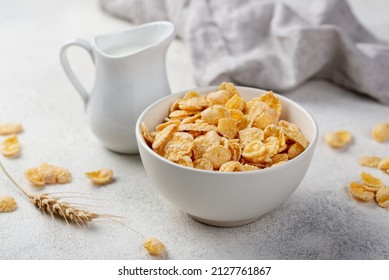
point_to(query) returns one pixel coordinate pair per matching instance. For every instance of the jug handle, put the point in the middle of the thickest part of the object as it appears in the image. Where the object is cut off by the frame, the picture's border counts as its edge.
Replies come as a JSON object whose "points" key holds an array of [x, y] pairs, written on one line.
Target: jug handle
{"points": [[68, 70]]}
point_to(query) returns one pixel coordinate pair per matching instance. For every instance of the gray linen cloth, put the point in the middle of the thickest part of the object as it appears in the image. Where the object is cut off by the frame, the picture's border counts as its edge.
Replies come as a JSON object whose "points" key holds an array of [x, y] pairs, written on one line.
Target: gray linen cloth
{"points": [[267, 44]]}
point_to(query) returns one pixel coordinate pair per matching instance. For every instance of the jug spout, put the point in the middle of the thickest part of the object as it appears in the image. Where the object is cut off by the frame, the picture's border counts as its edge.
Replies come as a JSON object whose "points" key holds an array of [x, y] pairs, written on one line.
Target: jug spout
{"points": [[138, 39]]}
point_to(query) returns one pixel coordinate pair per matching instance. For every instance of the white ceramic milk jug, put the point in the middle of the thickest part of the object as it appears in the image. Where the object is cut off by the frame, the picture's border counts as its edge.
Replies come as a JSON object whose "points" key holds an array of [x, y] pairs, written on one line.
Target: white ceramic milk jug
{"points": [[130, 75]]}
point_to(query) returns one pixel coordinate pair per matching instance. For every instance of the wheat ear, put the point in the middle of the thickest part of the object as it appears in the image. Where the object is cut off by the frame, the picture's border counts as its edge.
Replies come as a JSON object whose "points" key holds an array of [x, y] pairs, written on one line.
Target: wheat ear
{"points": [[54, 207]]}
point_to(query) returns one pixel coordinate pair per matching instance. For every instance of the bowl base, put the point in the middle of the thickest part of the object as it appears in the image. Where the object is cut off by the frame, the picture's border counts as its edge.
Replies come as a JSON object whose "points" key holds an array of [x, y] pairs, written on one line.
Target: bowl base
{"points": [[225, 223]]}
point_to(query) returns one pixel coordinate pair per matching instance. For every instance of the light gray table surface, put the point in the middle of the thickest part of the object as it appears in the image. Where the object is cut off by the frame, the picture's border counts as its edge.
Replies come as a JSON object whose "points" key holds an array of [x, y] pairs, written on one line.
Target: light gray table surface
{"points": [[319, 221]]}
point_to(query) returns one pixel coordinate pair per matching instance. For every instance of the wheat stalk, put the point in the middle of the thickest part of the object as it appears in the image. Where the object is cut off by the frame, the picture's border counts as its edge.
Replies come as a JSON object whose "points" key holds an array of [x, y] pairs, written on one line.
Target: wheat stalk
{"points": [[56, 208]]}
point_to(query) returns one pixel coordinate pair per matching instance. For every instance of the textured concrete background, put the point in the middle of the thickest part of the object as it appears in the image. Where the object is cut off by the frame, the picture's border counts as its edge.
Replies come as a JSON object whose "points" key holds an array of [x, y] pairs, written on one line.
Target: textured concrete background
{"points": [[319, 221]]}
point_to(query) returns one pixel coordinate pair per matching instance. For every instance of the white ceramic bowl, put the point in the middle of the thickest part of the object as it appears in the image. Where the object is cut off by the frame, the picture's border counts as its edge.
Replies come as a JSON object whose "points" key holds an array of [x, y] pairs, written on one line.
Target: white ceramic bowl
{"points": [[226, 198]]}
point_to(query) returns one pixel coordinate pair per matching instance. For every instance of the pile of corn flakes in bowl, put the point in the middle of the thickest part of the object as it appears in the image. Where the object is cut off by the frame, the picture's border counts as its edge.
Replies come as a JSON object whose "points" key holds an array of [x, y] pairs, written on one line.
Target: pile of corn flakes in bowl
{"points": [[226, 155]]}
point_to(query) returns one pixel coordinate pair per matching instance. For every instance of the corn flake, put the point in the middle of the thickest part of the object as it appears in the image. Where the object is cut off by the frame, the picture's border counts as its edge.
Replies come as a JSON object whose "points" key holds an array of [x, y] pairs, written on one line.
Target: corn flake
{"points": [[231, 166], [7, 204], [48, 174], [154, 246], [271, 100], [370, 182], [11, 146], [203, 163], [179, 145], [384, 164], [10, 128], [382, 197], [380, 132], [370, 161], [217, 155], [101, 176], [338, 139], [359, 192]]}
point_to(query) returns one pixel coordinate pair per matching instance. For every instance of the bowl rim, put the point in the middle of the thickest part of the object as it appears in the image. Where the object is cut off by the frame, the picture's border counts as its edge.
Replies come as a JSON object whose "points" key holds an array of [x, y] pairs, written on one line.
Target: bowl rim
{"points": [[204, 90]]}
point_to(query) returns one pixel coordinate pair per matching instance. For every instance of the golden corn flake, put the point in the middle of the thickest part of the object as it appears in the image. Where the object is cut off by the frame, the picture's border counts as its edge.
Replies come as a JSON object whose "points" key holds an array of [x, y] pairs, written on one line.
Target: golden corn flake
{"points": [[161, 126], [213, 114], [384, 165], [267, 117], [228, 127], [101, 176], [271, 100], [294, 150], [221, 131], [218, 97], [359, 192], [146, 134], [7, 204], [163, 136], [154, 246], [10, 128], [338, 139], [11, 146], [186, 161], [193, 104], [370, 161], [203, 163], [48, 174], [370, 182], [382, 197], [217, 155], [249, 135], [197, 126], [229, 87], [235, 102], [179, 145], [231, 166], [381, 132]]}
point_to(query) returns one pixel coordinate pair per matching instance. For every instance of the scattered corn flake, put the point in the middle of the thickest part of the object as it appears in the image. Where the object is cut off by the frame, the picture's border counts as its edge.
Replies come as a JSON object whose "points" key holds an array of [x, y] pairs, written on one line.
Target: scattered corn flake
{"points": [[11, 146], [370, 161], [370, 182], [48, 174], [384, 164], [10, 128], [7, 204], [382, 197], [380, 132], [101, 176], [338, 139], [154, 246], [359, 192]]}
